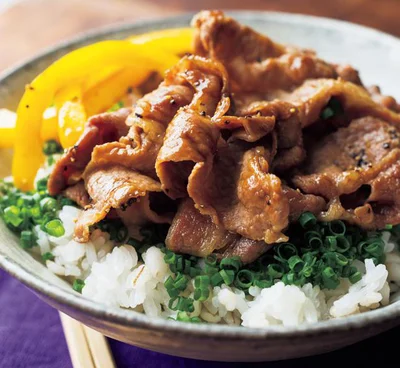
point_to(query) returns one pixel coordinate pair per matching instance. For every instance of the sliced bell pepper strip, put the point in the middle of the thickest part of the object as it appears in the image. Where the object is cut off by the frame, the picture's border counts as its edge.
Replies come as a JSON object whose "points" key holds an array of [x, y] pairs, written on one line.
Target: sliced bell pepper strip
{"points": [[107, 92], [97, 97], [49, 129], [7, 128], [71, 122], [176, 41], [69, 70]]}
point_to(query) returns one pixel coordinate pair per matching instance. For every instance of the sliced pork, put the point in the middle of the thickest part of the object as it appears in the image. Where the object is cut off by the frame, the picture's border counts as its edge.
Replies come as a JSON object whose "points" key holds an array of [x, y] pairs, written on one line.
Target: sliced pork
{"points": [[235, 143], [356, 169]]}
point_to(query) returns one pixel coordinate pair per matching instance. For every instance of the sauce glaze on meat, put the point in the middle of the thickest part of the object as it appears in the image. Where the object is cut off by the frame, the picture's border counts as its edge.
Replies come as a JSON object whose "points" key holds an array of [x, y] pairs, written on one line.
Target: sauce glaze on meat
{"points": [[236, 136]]}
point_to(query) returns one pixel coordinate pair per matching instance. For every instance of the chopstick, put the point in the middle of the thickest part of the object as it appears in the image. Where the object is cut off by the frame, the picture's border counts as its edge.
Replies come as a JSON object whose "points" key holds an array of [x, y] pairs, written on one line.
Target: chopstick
{"points": [[87, 348]]}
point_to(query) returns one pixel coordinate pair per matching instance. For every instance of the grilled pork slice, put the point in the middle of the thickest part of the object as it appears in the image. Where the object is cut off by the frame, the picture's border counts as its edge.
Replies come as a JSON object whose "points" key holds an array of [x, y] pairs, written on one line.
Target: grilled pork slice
{"points": [[357, 170], [99, 129], [196, 234]]}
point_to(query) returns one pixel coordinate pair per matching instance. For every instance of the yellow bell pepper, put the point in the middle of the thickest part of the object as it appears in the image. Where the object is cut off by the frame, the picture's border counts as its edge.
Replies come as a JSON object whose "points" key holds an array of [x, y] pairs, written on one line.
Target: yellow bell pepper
{"points": [[69, 70], [7, 128], [102, 96], [49, 129], [176, 41], [105, 86], [71, 122]]}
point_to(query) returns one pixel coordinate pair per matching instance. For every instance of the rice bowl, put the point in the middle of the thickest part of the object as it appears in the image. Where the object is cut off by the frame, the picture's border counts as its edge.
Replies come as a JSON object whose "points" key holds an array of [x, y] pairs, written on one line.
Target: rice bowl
{"points": [[228, 305]]}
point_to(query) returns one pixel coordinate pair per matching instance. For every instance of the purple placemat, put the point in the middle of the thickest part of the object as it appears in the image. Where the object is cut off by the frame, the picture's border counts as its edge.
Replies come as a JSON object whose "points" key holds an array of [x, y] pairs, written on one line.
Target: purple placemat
{"points": [[31, 336]]}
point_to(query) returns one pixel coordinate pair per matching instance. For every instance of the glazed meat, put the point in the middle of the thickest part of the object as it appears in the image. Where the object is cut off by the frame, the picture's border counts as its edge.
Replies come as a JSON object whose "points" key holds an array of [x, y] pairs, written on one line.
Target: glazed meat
{"points": [[98, 130], [356, 169], [194, 233], [235, 143], [78, 194], [254, 62], [114, 187]]}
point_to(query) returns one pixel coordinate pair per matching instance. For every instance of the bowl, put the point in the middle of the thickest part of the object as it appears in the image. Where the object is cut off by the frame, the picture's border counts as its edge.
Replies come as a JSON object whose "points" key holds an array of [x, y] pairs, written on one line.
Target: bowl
{"points": [[375, 54]]}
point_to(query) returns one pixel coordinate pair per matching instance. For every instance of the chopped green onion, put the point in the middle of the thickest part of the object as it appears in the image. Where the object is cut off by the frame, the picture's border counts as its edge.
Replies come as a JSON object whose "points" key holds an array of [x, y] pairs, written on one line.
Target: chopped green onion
{"points": [[48, 204], [195, 320], [244, 279], [180, 303], [337, 227], [262, 284], [35, 212], [327, 113], [52, 147], [41, 184], [330, 279], [78, 285], [289, 278], [307, 220], [333, 108], [184, 317], [342, 244], [330, 243], [28, 239], [284, 251], [211, 260], [170, 258], [296, 264], [195, 271], [210, 270], [355, 277], [12, 216], [180, 282], [341, 259], [48, 256], [201, 294], [54, 228], [202, 281], [216, 279], [232, 263], [118, 105], [228, 276], [275, 270]]}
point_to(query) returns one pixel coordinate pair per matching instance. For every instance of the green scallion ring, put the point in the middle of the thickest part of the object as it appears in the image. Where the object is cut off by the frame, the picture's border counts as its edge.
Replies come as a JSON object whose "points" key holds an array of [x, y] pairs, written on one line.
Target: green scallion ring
{"points": [[307, 220], [337, 227], [232, 263], [228, 276], [54, 228], [244, 279]]}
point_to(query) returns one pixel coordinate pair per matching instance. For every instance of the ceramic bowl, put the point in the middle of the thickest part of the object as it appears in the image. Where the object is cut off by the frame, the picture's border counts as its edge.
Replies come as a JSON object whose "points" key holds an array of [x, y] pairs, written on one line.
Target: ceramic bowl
{"points": [[375, 54]]}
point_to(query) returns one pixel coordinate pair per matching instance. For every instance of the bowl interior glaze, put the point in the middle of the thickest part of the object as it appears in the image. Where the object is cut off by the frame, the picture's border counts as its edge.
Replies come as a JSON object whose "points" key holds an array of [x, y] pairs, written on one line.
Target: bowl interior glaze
{"points": [[375, 54]]}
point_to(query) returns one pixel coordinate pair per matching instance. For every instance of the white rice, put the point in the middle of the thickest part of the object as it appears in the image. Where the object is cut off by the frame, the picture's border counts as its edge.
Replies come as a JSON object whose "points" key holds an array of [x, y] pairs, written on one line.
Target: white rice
{"points": [[114, 276]]}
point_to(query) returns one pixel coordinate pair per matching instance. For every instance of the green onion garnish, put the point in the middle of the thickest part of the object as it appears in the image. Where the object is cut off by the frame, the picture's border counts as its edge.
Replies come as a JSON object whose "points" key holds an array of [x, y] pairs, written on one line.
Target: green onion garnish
{"points": [[12, 216], [78, 285], [48, 256], [52, 147], [333, 108], [244, 279], [28, 239], [307, 220], [54, 228]]}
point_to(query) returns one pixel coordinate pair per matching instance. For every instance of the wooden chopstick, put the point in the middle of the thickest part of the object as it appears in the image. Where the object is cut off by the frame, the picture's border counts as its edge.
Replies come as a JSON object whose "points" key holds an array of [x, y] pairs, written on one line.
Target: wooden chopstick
{"points": [[87, 348], [100, 349]]}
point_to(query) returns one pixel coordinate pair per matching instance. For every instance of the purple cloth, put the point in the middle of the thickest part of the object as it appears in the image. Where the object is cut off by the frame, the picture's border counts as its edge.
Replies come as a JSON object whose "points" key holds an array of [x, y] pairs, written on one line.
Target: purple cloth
{"points": [[31, 336]]}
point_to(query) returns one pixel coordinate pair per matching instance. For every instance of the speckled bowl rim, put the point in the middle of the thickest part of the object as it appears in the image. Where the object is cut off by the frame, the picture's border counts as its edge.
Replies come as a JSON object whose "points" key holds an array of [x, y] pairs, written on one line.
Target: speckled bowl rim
{"points": [[131, 318]]}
